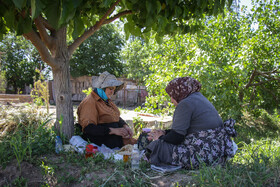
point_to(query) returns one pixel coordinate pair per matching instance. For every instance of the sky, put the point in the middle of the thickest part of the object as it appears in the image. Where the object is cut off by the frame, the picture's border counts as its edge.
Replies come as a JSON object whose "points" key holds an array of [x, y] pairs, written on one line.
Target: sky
{"points": [[246, 3]]}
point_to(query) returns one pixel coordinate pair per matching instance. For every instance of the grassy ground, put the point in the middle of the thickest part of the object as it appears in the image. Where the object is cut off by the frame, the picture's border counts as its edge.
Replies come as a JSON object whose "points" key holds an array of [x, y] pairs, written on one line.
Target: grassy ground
{"points": [[28, 157]]}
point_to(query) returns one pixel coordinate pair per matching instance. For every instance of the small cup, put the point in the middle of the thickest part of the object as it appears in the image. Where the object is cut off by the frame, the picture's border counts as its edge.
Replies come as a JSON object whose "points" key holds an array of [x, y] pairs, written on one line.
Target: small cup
{"points": [[91, 150], [126, 158]]}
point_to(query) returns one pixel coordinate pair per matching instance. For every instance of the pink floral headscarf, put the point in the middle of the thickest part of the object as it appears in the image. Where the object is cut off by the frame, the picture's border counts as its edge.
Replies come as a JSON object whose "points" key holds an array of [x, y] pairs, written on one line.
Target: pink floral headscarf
{"points": [[180, 88]]}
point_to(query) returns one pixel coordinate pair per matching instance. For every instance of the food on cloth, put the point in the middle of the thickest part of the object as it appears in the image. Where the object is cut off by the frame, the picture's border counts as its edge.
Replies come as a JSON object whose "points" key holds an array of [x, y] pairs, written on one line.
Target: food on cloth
{"points": [[125, 150]]}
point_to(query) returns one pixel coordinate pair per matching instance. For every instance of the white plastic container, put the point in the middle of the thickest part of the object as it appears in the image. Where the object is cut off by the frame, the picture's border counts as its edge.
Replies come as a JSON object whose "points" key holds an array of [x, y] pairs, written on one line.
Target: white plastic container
{"points": [[135, 158], [79, 143]]}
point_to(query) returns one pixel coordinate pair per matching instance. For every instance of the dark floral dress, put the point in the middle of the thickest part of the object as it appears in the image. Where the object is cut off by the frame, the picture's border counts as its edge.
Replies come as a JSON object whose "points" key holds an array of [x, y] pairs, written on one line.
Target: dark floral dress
{"points": [[211, 147]]}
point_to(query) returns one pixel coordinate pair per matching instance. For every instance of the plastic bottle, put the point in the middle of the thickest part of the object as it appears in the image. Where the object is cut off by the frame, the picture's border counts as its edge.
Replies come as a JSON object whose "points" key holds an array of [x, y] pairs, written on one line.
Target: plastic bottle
{"points": [[58, 145], [135, 158]]}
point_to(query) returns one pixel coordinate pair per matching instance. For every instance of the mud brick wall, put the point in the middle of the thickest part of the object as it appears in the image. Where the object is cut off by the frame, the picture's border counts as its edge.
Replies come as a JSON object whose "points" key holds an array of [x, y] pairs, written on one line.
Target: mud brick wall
{"points": [[15, 98]]}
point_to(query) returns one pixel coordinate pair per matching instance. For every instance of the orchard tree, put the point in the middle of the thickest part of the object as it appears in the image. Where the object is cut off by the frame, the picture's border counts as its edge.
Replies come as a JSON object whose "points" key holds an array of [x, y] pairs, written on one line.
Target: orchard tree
{"points": [[236, 62], [20, 64], [47, 23], [99, 53], [133, 54]]}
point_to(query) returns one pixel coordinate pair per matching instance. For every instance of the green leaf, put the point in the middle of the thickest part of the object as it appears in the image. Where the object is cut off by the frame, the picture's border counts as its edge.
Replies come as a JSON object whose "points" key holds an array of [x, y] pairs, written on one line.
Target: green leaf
{"points": [[78, 27], [136, 31], [159, 39], [158, 7], [10, 19], [178, 11], [3, 29], [216, 7], [149, 6], [229, 3], [53, 13], [68, 11], [127, 30], [149, 20], [24, 26], [162, 21], [19, 3], [36, 8], [33, 8], [106, 3]]}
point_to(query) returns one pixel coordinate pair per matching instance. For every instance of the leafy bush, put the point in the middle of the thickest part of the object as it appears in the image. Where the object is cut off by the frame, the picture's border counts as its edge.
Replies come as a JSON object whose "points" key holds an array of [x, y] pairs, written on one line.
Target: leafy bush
{"points": [[138, 125], [257, 127], [237, 66]]}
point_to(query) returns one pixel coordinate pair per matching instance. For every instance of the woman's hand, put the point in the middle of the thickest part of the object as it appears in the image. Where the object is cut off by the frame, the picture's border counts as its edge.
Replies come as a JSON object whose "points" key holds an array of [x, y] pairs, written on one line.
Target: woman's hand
{"points": [[130, 132], [155, 134], [123, 132]]}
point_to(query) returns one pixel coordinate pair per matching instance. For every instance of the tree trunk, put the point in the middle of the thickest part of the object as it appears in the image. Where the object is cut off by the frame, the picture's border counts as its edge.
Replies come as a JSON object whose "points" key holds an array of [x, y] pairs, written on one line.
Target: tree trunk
{"points": [[62, 86], [63, 95]]}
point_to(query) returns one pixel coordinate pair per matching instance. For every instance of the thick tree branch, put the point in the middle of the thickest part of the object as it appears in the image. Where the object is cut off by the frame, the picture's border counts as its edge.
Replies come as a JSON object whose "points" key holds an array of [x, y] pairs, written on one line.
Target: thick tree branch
{"points": [[268, 75], [46, 24], [251, 79], [43, 33], [268, 72], [40, 46], [111, 9], [252, 96], [263, 82], [120, 14], [97, 26]]}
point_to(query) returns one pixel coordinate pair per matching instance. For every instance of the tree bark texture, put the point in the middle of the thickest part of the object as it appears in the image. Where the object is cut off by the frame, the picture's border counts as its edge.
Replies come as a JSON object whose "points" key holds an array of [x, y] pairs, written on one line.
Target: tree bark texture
{"points": [[62, 85], [63, 94]]}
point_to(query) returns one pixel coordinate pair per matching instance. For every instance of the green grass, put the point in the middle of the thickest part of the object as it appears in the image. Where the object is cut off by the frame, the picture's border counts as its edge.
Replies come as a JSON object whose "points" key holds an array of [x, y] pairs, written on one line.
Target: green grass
{"points": [[257, 161], [31, 139], [255, 164]]}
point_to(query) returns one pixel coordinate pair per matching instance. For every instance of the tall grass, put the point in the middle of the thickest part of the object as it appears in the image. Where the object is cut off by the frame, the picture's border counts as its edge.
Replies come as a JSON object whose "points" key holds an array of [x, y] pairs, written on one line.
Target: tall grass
{"points": [[24, 134]]}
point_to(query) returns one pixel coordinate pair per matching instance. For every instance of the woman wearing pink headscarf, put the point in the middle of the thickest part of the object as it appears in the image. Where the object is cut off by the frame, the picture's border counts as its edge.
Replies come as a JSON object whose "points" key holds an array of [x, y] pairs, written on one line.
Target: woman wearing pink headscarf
{"points": [[198, 134]]}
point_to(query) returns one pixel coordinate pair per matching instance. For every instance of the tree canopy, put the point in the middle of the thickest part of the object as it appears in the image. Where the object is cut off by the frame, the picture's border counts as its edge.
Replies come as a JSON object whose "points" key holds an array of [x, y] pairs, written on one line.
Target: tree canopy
{"points": [[47, 23], [162, 16]]}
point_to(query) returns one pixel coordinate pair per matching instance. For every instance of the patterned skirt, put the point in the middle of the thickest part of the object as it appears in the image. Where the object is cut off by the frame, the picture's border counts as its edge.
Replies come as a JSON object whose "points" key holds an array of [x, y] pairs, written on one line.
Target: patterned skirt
{"points": [[208, 147]]}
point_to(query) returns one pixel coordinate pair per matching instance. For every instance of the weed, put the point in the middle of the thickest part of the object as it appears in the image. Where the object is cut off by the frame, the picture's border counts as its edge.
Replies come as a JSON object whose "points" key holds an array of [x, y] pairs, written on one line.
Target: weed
{"points": [[138, 125], [20, 181], [87, 91], [68, 179], [19, 149], [47, 169], [6, 152], [40, 94]]}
